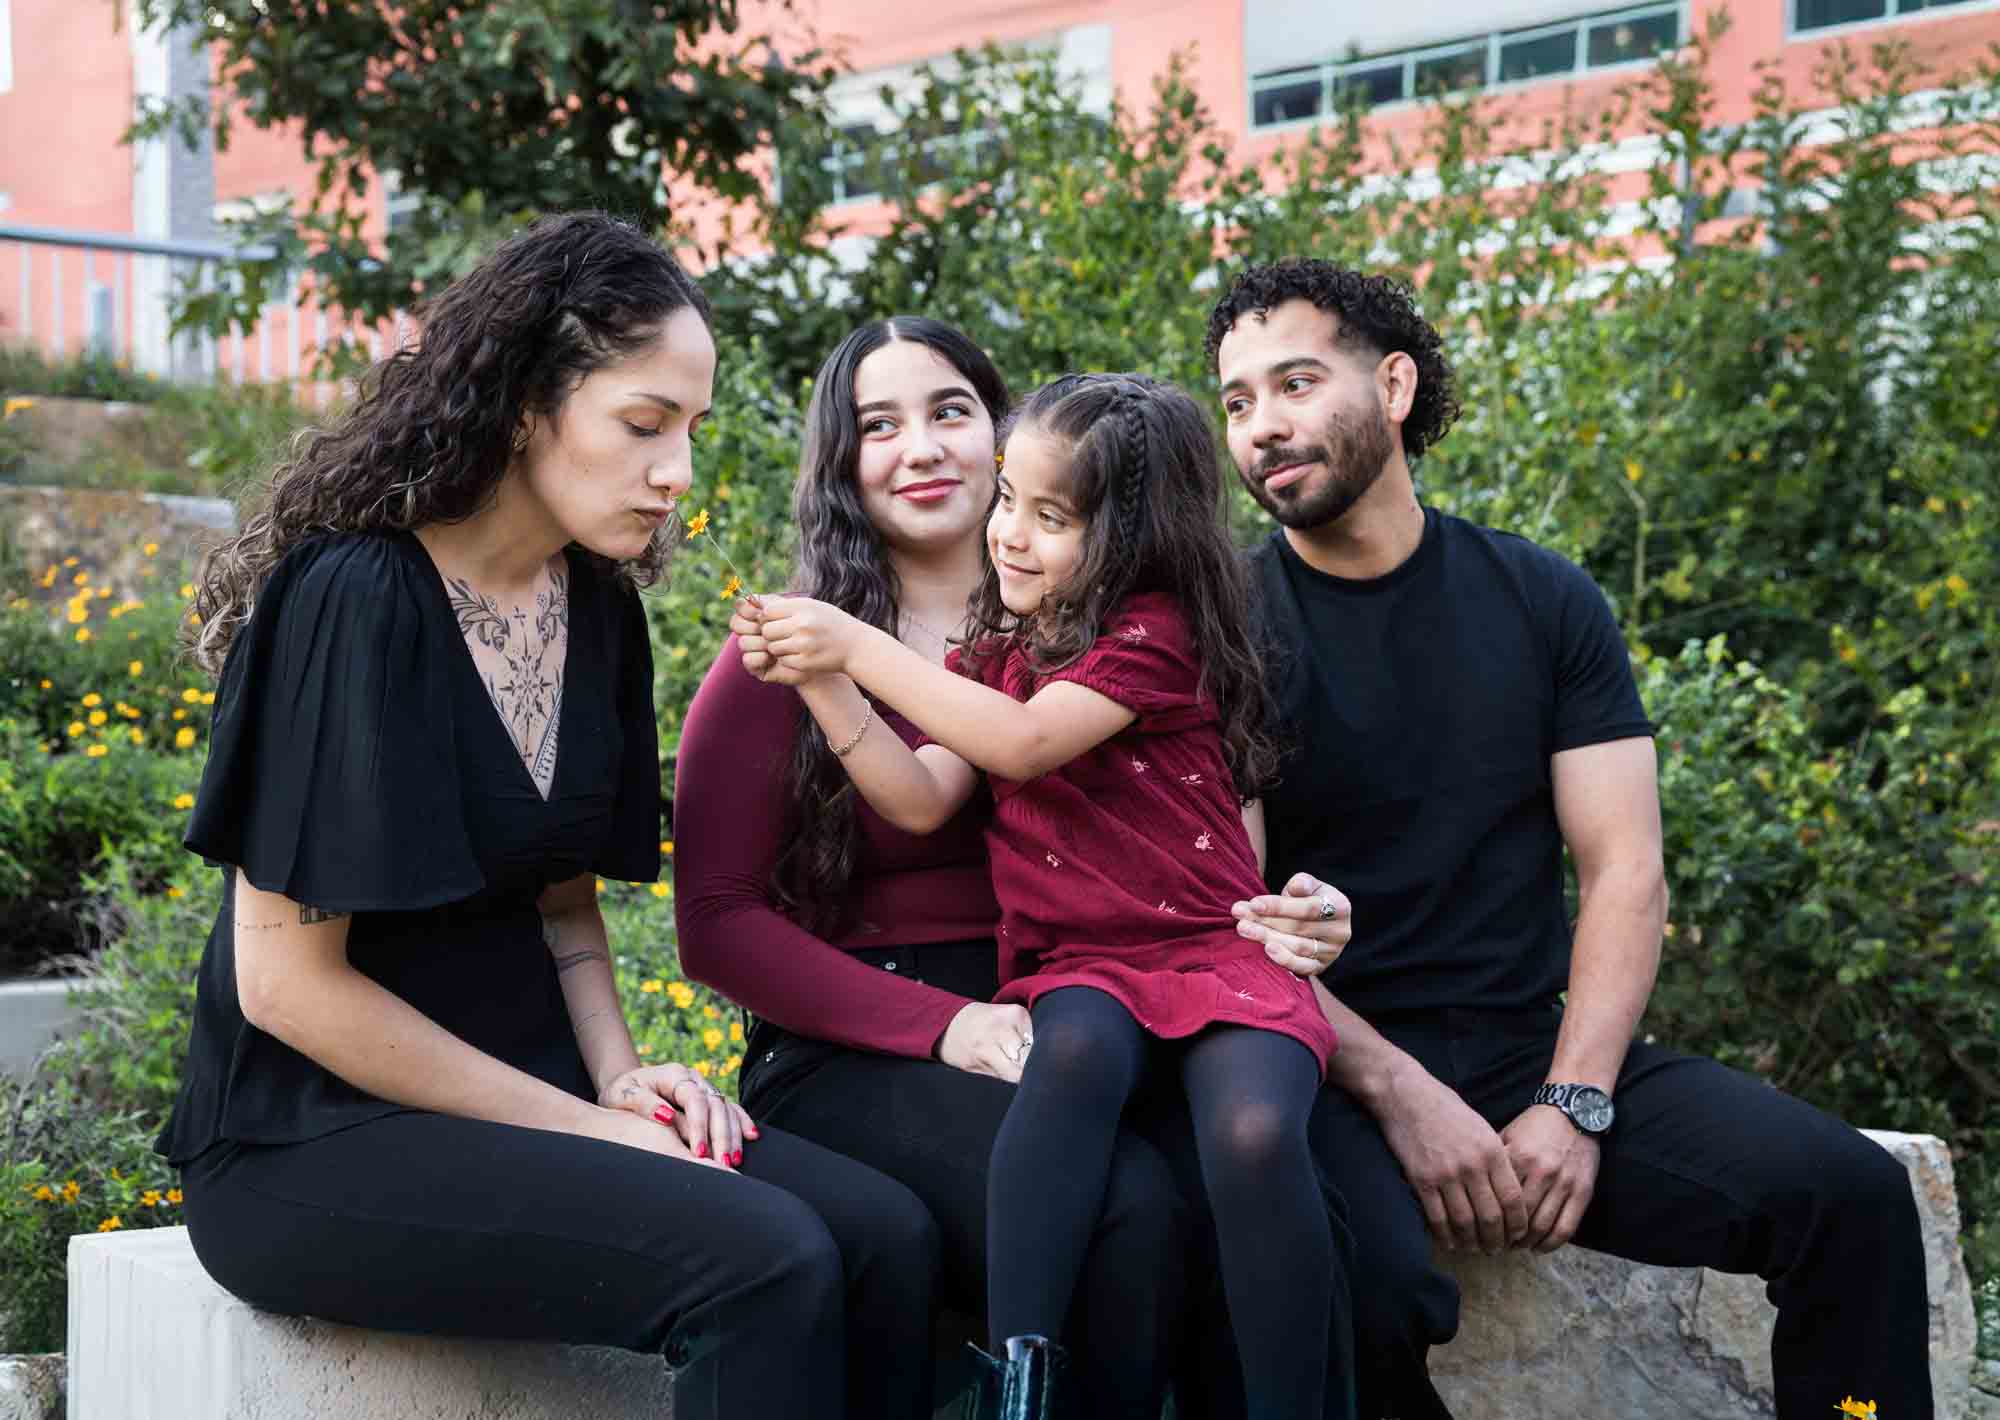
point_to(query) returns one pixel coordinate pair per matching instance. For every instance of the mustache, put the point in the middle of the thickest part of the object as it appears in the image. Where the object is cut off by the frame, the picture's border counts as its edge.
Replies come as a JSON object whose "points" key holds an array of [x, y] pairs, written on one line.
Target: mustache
{"points": [[1275, 459]]}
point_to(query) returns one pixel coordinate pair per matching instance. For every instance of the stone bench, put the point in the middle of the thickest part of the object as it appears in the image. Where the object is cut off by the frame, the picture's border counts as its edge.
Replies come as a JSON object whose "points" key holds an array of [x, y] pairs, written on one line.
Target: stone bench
{"points": [[1571, 1334]]}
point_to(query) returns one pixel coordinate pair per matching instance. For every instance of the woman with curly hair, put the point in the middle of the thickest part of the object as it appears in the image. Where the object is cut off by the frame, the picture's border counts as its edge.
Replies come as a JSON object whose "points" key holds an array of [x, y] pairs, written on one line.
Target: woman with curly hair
{"points": [[411, 1100]]}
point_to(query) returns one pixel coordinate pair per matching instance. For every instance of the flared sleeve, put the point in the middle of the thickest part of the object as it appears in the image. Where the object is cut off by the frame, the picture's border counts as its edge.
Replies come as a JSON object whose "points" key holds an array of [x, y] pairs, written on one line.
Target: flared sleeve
{"points": [[331, 774]]}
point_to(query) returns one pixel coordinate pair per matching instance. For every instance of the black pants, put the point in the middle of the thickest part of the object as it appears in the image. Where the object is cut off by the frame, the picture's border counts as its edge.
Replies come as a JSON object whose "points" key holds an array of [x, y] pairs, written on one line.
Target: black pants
{"points": [[801, 1288], [932, 1128], [1705, 1167]]}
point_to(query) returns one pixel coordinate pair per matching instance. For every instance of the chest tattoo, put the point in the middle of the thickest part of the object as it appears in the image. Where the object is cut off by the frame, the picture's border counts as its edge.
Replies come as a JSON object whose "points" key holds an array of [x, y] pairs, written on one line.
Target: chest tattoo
{"points": [[520, 653]]}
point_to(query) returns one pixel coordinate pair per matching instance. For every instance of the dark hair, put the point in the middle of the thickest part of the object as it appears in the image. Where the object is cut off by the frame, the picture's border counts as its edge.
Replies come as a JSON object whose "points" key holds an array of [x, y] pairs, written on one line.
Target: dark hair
{"points": [[1375, 313], [843, 562], [1144, 476], [437, 424]]}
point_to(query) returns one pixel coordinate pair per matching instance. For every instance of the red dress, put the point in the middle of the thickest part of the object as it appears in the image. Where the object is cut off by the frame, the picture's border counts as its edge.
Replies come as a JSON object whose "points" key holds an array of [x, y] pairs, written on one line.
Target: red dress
{"points": [[1118, 869]]}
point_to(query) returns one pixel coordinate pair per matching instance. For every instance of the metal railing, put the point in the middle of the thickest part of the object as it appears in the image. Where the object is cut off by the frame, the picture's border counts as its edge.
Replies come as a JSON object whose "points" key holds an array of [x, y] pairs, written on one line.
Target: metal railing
{"points": [[113, 295]]}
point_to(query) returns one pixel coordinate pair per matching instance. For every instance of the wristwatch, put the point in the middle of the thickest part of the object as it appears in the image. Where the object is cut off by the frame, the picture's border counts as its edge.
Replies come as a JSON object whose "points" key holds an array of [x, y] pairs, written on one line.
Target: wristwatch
{"points": [[1588, 1107]]}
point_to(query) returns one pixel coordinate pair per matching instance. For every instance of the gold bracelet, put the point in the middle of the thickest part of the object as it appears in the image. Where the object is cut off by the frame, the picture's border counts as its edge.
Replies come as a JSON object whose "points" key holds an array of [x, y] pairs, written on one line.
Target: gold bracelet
{"points": [[867, 719]]}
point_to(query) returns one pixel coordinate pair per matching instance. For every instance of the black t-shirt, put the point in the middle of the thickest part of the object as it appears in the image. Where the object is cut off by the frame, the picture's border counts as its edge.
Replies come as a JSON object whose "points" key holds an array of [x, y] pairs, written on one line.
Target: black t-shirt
{"points": [[1424, 706], [357, 764]]}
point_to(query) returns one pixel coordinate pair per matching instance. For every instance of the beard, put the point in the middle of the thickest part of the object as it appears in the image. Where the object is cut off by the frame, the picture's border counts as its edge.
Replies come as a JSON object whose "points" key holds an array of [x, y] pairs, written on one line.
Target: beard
{"points": [[1353, 449]]}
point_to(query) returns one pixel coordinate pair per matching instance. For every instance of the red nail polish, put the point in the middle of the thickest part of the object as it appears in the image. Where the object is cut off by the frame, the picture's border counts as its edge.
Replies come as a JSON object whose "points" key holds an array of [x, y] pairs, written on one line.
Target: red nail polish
{"points": [[664, 1115], [736, 1158], [701, 1149]]}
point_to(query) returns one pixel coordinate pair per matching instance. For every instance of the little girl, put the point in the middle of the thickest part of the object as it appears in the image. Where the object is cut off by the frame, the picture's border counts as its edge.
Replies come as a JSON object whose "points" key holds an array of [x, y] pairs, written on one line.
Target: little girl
{"points": [[1108, 690]]}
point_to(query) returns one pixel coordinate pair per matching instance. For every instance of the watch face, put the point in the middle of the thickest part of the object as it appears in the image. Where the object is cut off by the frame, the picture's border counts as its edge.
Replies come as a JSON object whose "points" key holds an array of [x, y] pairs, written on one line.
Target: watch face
{"points": [[1591, 1109]]}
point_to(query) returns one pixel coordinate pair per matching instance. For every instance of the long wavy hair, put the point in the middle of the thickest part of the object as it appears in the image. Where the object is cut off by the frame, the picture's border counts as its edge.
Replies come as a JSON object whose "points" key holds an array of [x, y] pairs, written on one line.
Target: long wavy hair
{"points": [[1144, 475], [843, 561], [438, 424]]}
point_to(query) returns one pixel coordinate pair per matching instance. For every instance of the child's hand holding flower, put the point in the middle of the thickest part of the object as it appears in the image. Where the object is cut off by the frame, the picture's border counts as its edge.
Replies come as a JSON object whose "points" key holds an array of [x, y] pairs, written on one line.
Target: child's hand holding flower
{"points": [[806, 638]]}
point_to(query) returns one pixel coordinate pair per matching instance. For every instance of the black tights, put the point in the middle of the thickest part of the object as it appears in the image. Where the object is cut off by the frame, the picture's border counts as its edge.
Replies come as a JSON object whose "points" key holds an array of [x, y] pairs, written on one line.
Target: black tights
{"points": [[1249, 1094]]}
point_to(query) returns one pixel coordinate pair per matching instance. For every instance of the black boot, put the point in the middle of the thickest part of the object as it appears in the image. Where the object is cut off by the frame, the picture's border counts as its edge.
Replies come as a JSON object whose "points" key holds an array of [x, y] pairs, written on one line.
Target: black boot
{"points": [[1031, 1384]]}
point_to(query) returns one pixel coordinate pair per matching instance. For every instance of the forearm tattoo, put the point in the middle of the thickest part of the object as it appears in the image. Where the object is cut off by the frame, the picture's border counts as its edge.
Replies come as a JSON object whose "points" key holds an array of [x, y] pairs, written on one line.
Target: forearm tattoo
{"points": [[520, 659]]}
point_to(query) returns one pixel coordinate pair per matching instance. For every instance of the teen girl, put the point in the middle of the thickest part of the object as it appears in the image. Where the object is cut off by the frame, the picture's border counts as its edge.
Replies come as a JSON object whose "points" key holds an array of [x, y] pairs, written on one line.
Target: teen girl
{"points": [[1108, 690]]}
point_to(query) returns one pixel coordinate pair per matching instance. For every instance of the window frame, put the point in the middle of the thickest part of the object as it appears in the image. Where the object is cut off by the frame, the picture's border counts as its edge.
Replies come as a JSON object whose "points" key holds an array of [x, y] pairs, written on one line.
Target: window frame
{"points": [[1893, 14]]}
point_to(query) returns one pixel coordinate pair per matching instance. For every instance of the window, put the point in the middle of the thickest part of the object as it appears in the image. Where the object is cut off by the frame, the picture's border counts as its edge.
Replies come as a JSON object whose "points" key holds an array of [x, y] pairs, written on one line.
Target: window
{"points": [[1631, 35], [399, 204], [1824, 14]]}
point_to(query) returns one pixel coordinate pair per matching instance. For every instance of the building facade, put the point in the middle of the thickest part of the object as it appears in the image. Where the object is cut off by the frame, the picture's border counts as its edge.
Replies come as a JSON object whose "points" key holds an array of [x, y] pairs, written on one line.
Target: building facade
{"points": [[72, 74]]}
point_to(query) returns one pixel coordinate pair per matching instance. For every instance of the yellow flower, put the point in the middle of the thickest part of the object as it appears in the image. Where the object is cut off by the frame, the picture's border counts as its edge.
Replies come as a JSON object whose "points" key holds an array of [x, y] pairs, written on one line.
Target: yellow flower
{"points": [[703, 1069], [208, 697], [711, 1038], [69, 562], [176, 893], [174, 1196], [659, 889], [183, 801], [736, 1032], [1633, 472], [138, 735], [111, 1224], [645, 1049], [180, 714], [731, 587], [729, 1066], [1851, 1406], [711, 1013], [97, 751], [98, 717], [137, 668], [1957, 585], [600, 885], [104, 594], [75, 728], [184, 737], [78, 613], [722, 491], [150, 1198], [81, 579], [47, 684], [1848, 653], [92, 700], [69, 1191], [187, 590], [649, 988], [697, 525], [130, 712], [1934, 503], [83, 633], [682, 993], [45, 1194], [191, 695], [666, 844], [15, 406], [150, 548]]}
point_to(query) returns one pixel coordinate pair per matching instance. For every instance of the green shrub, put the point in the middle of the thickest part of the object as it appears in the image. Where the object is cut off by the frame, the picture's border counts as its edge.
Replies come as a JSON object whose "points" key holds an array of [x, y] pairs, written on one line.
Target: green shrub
{"points": [[27, 370]]}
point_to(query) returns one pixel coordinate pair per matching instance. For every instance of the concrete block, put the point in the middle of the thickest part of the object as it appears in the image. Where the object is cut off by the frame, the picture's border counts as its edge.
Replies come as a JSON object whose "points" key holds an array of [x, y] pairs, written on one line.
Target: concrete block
{"points": [[151, 1337], [1580, 1333], [31, 1387], [32, 1013]]}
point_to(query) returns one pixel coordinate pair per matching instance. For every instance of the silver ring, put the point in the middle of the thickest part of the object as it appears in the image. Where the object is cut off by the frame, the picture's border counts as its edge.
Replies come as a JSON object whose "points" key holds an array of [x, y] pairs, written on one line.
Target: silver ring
{"points": [[1327, 910]]}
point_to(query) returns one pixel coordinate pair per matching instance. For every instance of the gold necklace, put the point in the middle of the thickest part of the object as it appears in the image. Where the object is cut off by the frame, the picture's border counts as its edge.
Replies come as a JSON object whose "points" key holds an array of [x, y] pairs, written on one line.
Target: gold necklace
{"points": [[943, 642]]}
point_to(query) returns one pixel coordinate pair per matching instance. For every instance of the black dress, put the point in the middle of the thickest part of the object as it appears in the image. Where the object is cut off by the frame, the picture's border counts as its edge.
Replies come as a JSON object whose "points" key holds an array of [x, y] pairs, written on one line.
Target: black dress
{"points": [[357, 765]]}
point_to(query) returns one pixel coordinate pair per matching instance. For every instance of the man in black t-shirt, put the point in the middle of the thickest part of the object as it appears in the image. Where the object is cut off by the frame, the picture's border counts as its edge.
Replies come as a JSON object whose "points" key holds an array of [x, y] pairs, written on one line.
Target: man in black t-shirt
{"points": [[1464, 710]]}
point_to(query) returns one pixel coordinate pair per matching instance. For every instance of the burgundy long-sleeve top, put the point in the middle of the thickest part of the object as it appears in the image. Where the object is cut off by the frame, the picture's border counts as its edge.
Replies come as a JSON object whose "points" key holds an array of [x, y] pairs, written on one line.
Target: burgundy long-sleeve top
{"points": [[730, 821]]}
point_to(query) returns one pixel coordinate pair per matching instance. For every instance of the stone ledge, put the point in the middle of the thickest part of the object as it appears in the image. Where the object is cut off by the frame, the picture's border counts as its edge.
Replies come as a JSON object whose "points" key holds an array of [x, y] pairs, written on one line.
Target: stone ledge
{"points": [[31, 1387], [1582, 1333]]}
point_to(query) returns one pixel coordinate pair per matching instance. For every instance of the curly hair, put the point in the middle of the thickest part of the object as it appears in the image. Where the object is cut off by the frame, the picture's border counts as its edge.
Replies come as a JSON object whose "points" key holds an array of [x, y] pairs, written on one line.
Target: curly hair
{"points": [[437, 424], [842, 561], [1377, 314], [1145, 478]]}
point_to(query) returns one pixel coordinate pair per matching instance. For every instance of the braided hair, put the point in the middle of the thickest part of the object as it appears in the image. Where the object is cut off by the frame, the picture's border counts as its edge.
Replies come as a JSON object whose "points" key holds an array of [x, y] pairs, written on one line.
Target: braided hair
{"points": [[1145, 478]]}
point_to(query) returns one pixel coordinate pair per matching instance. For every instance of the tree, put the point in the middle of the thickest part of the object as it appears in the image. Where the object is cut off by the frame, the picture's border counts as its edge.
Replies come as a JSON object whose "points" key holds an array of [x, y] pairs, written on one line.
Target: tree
{"points": [[487, 111]]}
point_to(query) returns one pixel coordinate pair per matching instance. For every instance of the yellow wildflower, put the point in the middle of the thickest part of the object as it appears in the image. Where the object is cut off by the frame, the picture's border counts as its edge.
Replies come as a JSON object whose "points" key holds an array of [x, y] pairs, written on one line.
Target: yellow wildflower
{"points": [[187, 590], [111, 1224], [600, 885], [711, 1038], [97, 751], [666, 844], [83, 633], [150, 548], [191, 695], [45, 1194], [208, 697], [180, 714], [645, 1049], [47, 684], [138, 735], [137, 668], [184, 737], [176, 893], [69, 1191], [183, 801], [730, 1066], [69, 562], [104, 594], [15, 405], [659, 889], [78, 613], [731, 587], [736, 1032], [75, 728], [150, 1198], [703, 1069], [174, 1196], [92, 700], [1957, 586], [1850, 1406], [650, 988], [697, 525], [711, 1013], [98, 717], [81, 579]]}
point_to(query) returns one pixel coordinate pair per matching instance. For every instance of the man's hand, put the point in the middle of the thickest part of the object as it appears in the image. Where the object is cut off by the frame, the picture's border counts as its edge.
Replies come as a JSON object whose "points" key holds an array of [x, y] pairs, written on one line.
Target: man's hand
{"points": [[1457, 1164], [1557, 1165]]}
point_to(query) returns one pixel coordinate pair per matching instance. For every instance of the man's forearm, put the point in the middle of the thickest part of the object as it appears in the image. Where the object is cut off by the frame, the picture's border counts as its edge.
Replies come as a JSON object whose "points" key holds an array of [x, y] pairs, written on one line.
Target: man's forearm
{"points": [[1613, 963], [1367, 1065]]}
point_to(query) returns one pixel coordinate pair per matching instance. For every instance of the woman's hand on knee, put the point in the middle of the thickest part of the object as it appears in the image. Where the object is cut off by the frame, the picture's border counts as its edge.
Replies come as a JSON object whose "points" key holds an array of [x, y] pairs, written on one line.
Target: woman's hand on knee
{"points": [[986, 1039], [711, 1126], [1305, 929]]}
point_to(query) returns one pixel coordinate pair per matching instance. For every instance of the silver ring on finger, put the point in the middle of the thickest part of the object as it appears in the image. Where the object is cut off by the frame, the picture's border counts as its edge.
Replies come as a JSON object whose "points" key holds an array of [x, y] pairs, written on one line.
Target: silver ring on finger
{"points": [[1328, 909]]}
